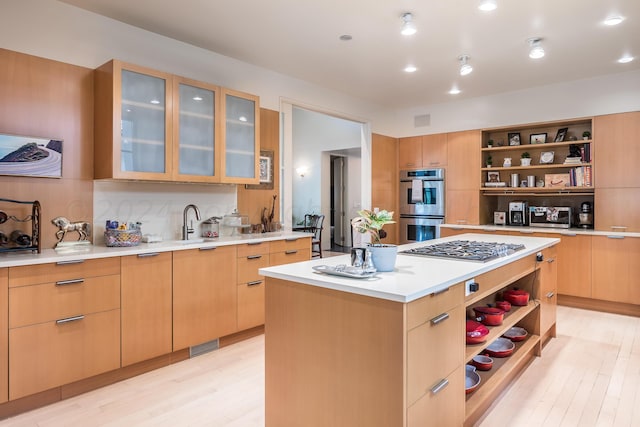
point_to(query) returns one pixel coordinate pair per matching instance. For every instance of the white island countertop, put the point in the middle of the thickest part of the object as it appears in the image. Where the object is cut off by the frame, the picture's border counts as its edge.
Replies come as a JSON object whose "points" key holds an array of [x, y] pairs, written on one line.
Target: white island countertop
{"points": [[414, 276]]}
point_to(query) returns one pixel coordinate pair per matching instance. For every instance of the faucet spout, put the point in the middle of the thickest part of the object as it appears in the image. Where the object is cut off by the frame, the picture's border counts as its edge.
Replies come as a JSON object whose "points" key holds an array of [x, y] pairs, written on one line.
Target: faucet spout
{"points": [[186, 230]]}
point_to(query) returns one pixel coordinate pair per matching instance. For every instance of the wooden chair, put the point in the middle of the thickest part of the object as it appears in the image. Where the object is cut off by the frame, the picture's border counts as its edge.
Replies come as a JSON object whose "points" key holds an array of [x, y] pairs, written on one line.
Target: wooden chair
{"points": [[313, 223]]}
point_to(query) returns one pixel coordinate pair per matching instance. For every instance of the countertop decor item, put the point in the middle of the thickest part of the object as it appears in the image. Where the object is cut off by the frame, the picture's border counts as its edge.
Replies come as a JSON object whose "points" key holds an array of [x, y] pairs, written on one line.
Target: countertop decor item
{"points": [[371, 222]]}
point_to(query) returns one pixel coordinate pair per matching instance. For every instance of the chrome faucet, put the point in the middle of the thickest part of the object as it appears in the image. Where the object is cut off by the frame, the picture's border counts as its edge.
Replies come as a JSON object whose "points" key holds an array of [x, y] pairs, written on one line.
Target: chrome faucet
{"points": [[186, 230]]}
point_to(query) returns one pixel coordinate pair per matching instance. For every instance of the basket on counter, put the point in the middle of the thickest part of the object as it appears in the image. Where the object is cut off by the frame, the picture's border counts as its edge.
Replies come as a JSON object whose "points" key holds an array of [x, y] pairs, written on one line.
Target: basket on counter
{"points": [[113, 237]]}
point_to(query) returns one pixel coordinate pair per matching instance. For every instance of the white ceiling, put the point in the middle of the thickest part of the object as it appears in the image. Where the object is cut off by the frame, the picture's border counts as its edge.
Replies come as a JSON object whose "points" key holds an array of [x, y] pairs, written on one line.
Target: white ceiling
{"points": [[300, 38]]}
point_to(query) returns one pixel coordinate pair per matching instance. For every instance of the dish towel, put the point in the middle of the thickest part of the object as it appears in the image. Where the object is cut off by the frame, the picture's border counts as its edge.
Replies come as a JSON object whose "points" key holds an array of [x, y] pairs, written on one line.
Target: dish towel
{"points": [[416, 191]]}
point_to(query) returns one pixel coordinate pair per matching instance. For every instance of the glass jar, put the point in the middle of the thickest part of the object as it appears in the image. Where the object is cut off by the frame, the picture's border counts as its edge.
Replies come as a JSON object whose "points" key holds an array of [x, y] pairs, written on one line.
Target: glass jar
{"points": [[210, 227]]}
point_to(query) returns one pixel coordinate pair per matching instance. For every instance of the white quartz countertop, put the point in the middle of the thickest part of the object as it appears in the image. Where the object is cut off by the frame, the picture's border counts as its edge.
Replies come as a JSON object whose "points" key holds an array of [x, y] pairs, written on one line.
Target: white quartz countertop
{"points": [[549, 230], [414, 276], [14, 259]]}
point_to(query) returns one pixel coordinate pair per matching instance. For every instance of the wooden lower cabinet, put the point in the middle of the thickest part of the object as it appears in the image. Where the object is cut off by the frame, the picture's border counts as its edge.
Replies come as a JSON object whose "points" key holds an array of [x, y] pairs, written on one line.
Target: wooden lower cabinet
{"points": [[548, 291], [204, 295], [146, 306], [4, 334], [444, 407], [574, 265], [616, 268], [290, 250], [47, 355], [251, 284]]}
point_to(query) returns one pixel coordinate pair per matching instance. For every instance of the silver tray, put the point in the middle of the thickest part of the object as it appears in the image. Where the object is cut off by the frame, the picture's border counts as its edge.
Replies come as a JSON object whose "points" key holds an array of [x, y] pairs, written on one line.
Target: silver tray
{"points": [[344, 271]]}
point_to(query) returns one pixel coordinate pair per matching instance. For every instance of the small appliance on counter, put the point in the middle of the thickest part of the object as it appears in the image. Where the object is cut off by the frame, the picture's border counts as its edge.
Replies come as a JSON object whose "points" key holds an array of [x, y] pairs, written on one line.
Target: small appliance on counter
{"points": [[499, 218], [518, 213], [550, 216], [585, 216]]}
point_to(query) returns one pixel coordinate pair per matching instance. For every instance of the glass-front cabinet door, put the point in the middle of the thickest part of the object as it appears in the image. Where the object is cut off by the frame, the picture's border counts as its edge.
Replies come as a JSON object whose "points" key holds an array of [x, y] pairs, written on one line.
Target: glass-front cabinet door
{"points": [[144, 123], [240, 137], [196, 152]]}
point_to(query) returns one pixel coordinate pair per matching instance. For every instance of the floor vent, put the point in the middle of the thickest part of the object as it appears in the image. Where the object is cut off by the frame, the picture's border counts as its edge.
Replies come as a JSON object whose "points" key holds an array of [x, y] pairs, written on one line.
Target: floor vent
{"points": [[203, 348]]}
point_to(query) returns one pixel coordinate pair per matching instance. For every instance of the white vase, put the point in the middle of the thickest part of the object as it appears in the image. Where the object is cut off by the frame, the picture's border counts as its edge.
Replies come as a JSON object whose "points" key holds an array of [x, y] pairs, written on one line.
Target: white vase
{"points": [[384, 256], [525, 162]]}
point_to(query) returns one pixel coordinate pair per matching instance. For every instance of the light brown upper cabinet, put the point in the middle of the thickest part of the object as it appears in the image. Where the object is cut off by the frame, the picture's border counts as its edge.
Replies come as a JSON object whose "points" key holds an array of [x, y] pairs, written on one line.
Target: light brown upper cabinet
{"points": [[617, 151], [427, 151], [463, 160], [155, 126]]}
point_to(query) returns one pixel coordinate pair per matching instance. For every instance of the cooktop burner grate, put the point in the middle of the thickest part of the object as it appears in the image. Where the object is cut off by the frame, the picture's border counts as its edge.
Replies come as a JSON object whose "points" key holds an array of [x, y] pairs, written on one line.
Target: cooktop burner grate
{"points": [[466, 250]]}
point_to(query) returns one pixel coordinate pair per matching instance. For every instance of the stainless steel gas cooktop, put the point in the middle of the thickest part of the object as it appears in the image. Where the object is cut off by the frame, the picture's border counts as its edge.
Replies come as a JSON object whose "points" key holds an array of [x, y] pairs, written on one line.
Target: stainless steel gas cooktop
{"points": [[466, 250]]}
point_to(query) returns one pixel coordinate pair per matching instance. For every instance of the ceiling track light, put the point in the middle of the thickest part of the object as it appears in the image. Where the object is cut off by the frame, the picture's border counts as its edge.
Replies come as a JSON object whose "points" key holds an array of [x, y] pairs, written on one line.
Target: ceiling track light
{"points": [[536, 50], [487, 5], [465, 68], [408, 27]]}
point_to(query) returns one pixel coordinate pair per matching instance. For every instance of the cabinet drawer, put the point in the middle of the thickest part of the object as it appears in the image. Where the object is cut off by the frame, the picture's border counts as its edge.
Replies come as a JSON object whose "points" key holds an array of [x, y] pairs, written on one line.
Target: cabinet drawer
{"points": [[434, 349], [292, 255], [54, 272], [50, 354], [52, 301], [441, 408], [248, 267], [291, 244], [250, 304], [426, 308], [249, 249]]}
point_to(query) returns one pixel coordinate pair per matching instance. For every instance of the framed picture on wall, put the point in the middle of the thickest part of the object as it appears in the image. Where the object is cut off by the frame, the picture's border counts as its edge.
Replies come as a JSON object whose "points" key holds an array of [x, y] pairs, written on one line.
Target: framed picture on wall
{"points": [[30, 156], [265, 171]]}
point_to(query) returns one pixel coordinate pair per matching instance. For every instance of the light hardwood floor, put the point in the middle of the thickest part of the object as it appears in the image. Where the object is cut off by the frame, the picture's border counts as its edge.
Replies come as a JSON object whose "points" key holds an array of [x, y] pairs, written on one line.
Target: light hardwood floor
{"points": [[588, 376]]}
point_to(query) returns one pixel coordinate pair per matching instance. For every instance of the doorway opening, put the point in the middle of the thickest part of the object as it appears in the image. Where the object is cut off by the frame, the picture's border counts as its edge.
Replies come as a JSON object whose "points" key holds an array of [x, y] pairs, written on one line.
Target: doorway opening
{"points": [[340, 238]]}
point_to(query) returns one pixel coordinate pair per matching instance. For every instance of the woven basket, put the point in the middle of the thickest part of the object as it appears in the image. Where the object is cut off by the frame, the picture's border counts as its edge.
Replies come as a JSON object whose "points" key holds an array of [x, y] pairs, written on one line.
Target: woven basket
{"points": [[114, 238]]}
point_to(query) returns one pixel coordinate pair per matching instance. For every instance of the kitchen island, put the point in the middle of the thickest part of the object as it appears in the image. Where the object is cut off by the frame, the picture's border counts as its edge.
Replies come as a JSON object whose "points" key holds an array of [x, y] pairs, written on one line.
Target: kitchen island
{"points": [[390, 350]]}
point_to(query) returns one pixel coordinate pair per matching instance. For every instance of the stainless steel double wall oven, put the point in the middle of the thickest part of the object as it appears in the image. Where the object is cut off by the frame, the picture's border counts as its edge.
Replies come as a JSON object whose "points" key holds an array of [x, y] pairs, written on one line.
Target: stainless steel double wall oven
{"points": [[421, 204]]}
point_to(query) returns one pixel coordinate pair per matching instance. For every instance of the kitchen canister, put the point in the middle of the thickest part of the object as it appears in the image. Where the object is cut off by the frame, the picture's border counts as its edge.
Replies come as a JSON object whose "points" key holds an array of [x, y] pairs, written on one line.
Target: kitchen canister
{"points": [[531, 180], [515, 179]]}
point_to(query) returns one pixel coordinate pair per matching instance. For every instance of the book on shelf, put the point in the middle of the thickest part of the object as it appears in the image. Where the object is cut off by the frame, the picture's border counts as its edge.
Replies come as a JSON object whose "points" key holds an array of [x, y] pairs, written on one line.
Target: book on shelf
{"points": [[580, 176], [573, 161]]}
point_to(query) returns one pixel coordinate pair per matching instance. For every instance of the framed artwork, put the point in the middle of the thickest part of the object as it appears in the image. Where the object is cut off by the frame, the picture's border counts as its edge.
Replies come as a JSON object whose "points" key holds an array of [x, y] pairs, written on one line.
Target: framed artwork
{"points": [[493, 176], [265, 171], [562, 133], [30, 156], [514, 138], [546, 157], [537, 138]]}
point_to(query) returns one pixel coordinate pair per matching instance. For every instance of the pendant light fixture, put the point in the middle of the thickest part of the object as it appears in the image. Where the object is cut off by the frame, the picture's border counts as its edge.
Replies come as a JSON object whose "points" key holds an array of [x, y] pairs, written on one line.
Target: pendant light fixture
{"points": [[408, 27], [536, 51], [465, 68]]}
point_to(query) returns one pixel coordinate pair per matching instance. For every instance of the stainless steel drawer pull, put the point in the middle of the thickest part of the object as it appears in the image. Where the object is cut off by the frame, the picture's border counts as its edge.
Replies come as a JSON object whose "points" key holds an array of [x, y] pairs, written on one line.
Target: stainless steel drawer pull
{"points": [[569, 234], [73, 261], [291, 239], [526, 231], [440, 292], [70, 319], [439, 318], [550, 294], [254, 243], [291, 252], [254, 256], [615, 237], [438, 387], [254, 283], [210, 248], [150, 254], [69, 282]]}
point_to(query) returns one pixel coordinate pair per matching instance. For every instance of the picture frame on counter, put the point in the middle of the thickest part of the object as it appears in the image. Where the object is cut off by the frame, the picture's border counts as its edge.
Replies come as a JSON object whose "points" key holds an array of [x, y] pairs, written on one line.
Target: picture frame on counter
{"points": [[538, 138], [560, 135], [514, 138]]}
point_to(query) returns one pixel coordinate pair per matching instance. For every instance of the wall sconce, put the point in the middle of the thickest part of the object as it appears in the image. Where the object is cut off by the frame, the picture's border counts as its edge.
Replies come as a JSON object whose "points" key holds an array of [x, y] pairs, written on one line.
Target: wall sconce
{"points": [[302, 171]]}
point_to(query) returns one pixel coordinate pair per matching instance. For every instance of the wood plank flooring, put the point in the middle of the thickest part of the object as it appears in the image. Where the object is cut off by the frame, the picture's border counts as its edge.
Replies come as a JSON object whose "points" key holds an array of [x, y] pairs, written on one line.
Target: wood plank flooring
{"points": [[588, 376]]}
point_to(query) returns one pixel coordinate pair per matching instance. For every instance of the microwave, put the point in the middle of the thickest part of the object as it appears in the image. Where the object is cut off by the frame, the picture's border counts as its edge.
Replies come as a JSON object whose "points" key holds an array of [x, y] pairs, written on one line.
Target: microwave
{"points": [[546, 216]]}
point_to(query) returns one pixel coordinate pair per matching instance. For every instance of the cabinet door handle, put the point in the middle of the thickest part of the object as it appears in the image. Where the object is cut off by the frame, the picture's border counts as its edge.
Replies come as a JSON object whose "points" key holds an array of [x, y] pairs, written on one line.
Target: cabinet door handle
{"points": [[438, 387], [440, 292], [210, 248], [73, 261], [615, 237], [439, 318], [69, 282], [254, 283], [551, 259], [526, 231], [254, 243], [550, 294], [254, 256], [569, 234], [291, 252], [150, 254], [69, 319]]}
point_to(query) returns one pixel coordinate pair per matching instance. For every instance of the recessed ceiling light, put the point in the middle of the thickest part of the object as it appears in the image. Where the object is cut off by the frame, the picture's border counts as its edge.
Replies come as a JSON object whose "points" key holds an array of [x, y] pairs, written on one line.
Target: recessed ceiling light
{"points": [[536, 51], [454, 91], [410, 69], [408, 27], [346, 37], [625, 59], [613, 20], [487, 5]]}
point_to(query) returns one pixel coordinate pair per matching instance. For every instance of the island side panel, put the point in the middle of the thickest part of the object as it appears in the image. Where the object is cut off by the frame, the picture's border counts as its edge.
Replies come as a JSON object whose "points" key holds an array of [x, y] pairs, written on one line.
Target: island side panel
{"points": [[332, 358]]}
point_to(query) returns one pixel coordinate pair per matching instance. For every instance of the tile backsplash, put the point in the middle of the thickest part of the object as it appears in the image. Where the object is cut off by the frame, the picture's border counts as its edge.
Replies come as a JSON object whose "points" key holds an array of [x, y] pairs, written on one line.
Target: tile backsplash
{"points": [[158, 206]]}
